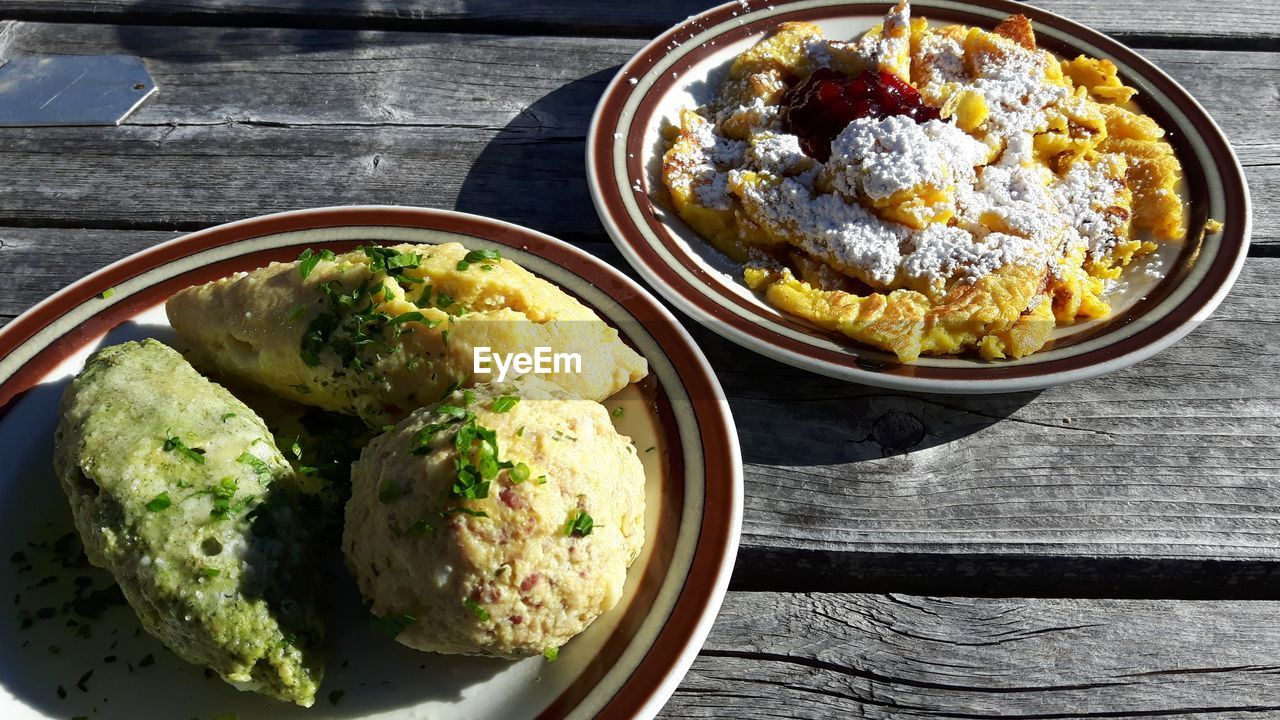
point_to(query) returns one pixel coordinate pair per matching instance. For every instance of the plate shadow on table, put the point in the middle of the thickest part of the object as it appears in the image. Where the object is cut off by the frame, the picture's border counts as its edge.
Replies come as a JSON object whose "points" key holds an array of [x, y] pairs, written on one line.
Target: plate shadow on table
{"points": [[70, 646], [530, 152], [786, 416]]}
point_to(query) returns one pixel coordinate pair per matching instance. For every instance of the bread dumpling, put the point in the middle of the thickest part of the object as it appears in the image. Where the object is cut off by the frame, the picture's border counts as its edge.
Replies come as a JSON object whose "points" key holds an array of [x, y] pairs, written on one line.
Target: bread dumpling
{"points": [[509, 547]]}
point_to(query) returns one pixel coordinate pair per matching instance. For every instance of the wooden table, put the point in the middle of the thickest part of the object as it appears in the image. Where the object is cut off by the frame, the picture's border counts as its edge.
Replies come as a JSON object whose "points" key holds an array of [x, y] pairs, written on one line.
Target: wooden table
{"points": [[1106, 549]]}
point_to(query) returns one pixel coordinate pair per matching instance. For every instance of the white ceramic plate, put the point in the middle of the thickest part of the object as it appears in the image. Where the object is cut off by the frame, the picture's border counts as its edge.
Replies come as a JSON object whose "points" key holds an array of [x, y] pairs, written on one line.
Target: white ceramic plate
{"points": [[624, 666], [683, 68]]}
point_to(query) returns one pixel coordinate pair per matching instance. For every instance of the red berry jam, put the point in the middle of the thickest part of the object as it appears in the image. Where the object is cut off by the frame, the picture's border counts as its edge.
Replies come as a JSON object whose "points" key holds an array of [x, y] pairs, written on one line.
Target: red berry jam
{"points": [[825, 103]]}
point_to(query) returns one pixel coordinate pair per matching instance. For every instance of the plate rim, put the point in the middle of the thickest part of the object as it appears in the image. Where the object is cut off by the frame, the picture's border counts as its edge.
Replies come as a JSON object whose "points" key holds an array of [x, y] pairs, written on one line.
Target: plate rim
{"points": [[623, 227], [651, 687]]}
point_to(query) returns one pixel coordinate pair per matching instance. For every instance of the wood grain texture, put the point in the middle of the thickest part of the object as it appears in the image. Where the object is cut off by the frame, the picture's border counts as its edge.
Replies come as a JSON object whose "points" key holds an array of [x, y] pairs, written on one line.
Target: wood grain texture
{"points": [[253, 121], [775, 655], [1230, 24], [1155, 480], [7, 30], [1173, 459]]}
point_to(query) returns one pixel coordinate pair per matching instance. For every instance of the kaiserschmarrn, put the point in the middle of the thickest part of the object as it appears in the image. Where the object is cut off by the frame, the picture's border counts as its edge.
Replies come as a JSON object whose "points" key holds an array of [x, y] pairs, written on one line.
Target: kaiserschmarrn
{"points": [[926, 190]]}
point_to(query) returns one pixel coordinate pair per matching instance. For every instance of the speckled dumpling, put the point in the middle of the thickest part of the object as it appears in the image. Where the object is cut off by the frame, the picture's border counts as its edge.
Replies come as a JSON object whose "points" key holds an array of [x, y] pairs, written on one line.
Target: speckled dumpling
{"points": [[513, 568]]}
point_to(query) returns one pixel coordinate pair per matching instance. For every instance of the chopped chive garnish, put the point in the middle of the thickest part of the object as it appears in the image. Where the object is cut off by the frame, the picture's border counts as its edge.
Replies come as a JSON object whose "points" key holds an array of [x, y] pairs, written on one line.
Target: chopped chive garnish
{"points": [[551, 654], [392, 625], [519, 473], [108, 293], [476, 610], [579, 524]]}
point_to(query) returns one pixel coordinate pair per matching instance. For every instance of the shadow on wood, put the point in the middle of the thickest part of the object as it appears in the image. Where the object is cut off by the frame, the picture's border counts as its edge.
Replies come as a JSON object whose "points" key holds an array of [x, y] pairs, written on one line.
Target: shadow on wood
{"points": [[794, 418], [521, 172], [1006, 575]]}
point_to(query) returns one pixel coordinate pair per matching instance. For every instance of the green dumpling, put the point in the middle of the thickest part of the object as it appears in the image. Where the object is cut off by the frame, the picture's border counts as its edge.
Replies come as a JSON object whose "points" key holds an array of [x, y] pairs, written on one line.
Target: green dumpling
{"points": [[178, 490]]}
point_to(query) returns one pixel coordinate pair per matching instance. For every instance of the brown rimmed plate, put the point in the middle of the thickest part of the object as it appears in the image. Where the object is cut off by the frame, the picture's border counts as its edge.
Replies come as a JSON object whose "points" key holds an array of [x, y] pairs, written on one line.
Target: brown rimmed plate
{"points": [[683, 67], [624, 666]]}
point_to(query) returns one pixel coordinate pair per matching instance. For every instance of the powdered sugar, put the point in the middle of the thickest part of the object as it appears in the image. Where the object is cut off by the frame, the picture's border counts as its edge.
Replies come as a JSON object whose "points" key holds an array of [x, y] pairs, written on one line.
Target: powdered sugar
{"points": [[943, 253], [843, 234], [938, 61], [878, 158], [777, 152], [1089, 194], [703, 171], [892, 46]]}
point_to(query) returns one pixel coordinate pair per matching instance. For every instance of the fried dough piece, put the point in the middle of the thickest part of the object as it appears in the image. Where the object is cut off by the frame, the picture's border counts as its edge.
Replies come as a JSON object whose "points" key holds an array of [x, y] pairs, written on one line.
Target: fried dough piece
{"points": [[980, 315]]}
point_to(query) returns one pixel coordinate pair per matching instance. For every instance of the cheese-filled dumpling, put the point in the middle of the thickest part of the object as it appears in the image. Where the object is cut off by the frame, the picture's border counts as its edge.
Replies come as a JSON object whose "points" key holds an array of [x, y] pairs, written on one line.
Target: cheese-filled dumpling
{"points": [[380, 331]]}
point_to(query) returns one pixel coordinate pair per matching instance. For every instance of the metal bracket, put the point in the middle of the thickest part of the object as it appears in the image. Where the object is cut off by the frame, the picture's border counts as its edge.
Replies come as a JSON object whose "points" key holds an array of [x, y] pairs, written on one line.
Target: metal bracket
{"points": [[72, 89]]}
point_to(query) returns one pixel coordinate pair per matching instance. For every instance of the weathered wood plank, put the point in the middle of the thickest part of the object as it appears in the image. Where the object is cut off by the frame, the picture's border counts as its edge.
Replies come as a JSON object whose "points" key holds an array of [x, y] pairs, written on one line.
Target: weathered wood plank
{"points": [[7, 30], [1235, 23], [1156, 480], [1173, 459], [279, 119], [877, 656]]}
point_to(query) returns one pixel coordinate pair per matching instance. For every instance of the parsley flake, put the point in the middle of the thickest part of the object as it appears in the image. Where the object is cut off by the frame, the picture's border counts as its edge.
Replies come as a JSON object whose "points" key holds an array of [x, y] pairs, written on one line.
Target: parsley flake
{"points": [[505, 403], [159, 502], [308, 259], [551, 654], [413, 316], [175, 444], [476, 256], [254, 462], [390, 491]]}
